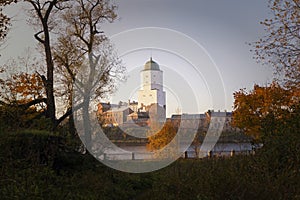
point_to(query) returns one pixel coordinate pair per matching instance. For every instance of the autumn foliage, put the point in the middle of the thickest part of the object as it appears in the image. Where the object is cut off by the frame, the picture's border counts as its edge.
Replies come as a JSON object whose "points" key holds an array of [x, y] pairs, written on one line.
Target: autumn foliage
{"points": [[4, 24], [252, 108], [162, 137], [280, 46], [22, 88], [22, 101]]}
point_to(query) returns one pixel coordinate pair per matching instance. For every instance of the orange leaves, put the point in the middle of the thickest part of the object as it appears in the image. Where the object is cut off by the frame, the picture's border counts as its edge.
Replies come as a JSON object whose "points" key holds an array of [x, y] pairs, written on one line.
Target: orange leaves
{"points": [[162, 137], [280, 46], [250, 108], [4, 24], [23, 87]]}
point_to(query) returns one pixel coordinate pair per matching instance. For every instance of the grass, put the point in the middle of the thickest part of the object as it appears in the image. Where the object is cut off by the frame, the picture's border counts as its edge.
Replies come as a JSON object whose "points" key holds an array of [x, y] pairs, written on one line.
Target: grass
{"points": [[39, 165]]}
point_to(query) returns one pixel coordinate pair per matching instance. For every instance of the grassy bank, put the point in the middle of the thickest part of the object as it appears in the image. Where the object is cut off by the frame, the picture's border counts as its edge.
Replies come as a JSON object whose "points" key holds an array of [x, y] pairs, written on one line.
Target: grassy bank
{"points": [[39, 165]]}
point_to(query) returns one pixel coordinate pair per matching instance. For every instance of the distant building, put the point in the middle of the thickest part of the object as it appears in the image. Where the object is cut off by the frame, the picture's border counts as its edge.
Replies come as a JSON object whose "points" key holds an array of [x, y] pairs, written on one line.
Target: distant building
{"points": [[133, 105], [116, 116], [138, 118], [103, 107], [152, 92], [151, 105], [203, 120]]}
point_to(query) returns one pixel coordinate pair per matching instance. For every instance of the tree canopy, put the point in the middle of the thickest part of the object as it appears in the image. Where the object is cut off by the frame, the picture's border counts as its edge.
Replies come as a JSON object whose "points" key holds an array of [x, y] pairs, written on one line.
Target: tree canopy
{"points": [[4, 25], [252, 108], [281, 46], [71, 38]]}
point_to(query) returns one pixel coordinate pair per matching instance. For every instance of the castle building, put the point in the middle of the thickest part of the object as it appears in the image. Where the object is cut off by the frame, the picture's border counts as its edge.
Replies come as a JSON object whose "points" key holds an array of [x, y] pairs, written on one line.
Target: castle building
{"points": [[151, 105], [151, 92]]}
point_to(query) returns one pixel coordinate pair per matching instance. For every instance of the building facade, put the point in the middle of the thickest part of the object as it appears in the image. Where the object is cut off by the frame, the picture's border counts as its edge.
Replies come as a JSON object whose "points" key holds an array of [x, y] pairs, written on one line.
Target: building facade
{"points": [[151, 91], [151, 105]]}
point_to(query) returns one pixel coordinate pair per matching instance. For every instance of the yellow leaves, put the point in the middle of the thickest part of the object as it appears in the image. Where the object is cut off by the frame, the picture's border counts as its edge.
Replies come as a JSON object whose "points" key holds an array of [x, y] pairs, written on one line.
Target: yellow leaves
{"points": [[279, 47], [24, 87], [250, 108], [162, 137]]}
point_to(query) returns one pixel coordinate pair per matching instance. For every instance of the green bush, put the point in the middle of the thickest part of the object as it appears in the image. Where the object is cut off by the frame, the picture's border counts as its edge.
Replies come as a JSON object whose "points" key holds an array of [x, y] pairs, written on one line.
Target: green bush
{"points": [[14, 118], [33, 146]]}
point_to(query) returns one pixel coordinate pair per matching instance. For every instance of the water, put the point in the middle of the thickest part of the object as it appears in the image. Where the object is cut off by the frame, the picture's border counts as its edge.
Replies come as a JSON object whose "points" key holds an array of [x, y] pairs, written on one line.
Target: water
{"points": [[130, 152]]}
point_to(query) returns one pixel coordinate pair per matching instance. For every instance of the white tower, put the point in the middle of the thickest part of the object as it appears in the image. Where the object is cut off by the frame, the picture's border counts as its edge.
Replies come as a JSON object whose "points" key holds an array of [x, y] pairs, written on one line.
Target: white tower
{"points": [[152, 86]]}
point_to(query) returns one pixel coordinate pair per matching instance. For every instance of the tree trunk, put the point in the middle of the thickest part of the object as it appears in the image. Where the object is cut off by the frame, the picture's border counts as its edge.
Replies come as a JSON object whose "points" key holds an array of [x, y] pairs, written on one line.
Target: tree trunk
{"points": [[87, 123], [72, 128], [49, 81]]}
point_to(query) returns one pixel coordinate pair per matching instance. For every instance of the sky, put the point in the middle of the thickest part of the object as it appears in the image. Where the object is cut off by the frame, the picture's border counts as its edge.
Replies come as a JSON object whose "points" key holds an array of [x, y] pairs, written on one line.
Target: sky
{"points": [[200, 45]]}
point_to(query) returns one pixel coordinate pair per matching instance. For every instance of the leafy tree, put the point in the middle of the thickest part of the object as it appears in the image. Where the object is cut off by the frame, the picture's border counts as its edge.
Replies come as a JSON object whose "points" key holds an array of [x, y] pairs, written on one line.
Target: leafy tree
{"points": [[23, 88], [4, 24], [252, 108], [41, 17], [22, 101], [42, 12], [85, 56], [77, 26], [280, 47], [162, 138], [18, 88], [271, 113]]}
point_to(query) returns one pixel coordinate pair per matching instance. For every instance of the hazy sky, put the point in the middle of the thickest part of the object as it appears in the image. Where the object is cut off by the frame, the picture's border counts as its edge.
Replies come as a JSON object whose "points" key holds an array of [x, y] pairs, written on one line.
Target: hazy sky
{"points": [[200, 45], [221, 28]]}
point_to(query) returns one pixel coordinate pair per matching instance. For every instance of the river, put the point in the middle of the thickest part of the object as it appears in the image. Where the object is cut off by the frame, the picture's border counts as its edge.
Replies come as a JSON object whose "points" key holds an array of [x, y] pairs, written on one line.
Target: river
{"points": [[129, 152]]}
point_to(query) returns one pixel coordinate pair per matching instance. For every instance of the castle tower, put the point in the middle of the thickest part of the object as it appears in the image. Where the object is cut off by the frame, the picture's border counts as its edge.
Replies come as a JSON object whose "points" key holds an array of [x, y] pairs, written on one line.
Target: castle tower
{"points": [[152, 86]]}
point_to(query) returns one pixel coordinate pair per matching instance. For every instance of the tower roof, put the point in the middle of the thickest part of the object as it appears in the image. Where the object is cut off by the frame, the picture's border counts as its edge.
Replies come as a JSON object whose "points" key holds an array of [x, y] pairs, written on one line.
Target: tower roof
{"points": [[151, 65]]}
